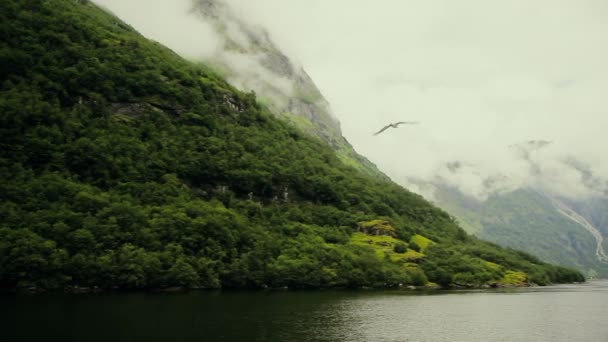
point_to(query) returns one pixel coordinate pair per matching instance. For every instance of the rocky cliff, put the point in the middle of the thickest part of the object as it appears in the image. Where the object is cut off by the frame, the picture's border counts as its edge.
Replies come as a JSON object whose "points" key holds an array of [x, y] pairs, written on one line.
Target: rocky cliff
{"points": [[249, 59]]}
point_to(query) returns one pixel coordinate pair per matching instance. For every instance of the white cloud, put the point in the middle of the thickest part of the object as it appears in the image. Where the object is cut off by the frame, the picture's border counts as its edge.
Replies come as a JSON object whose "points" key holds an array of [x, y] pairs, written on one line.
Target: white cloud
{"points": [[168, 22], [480, 75]]}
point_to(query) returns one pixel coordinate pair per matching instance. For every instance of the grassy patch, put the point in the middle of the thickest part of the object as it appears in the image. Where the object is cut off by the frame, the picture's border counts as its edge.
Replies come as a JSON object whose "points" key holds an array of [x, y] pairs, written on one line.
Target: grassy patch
{"points": [[514, 278], [310, 97], [493, 266], [377, 226], [410, 255], [383, 246], [421, 241], [295, 120], [350, 161]]}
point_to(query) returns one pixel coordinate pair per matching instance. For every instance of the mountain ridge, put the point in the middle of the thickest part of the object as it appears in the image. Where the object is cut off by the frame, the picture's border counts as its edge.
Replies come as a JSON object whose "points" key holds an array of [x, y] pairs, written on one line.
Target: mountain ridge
{"points": [[250, 59]]}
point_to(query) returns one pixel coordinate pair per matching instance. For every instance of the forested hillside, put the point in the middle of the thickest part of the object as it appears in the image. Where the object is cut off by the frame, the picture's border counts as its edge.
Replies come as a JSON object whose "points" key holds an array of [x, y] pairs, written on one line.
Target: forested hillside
{"points": [[124, 166]]}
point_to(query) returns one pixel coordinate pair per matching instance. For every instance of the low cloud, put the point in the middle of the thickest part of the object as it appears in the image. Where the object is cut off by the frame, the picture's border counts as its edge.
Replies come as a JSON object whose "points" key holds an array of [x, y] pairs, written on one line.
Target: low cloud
{"points": [[546, 169], [479, 76], [209, 31], [170, 23]]}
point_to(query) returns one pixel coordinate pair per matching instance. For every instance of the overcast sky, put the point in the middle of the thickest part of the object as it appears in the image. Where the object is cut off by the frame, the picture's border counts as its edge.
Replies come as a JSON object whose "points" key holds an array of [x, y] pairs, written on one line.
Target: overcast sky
{"points": [[479, 75]]}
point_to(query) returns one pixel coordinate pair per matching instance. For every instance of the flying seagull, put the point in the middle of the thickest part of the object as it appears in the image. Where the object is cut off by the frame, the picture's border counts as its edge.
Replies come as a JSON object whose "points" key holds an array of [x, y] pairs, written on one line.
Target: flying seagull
{"points": [[395, 125]]}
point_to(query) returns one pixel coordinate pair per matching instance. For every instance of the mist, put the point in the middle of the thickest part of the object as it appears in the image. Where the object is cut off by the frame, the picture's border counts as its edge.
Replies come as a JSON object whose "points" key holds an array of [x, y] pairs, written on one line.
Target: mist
{"points": [[480, 76]]}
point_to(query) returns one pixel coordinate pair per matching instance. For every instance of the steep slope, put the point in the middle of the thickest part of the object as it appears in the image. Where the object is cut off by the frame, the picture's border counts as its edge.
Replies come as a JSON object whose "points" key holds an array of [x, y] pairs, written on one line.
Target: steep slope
{"points": [[595, 211], [249, 59], [555, 229], [125, 166], [530, 221], [570, 213]]}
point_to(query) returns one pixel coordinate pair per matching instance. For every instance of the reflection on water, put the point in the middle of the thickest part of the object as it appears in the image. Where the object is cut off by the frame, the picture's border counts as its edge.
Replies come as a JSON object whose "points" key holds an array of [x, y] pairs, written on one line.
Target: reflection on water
{"points": [[559, 313]]}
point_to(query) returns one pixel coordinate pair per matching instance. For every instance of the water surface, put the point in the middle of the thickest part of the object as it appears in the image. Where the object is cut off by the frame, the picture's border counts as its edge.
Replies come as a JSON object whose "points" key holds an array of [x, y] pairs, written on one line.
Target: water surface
{"points": [[557, 313]]}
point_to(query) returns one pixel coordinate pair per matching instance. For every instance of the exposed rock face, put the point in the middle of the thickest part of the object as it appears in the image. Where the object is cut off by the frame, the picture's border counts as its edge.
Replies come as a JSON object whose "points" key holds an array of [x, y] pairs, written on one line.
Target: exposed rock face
{"points": [[250, 60]]}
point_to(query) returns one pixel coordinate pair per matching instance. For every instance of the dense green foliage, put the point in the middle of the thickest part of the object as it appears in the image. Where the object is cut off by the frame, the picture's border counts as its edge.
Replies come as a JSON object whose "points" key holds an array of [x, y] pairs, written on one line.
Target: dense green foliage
{"points": [[123, 165]]}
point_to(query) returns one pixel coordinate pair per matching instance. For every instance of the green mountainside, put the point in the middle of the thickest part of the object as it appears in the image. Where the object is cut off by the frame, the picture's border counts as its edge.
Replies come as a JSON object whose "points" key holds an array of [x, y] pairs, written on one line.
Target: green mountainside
{"points": [[528, 220], [124, 166]]}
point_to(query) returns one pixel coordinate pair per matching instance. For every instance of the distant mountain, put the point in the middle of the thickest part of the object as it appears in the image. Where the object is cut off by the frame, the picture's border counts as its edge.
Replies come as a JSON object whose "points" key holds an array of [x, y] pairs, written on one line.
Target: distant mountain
{"points": [[250, 60], [533, 216]]}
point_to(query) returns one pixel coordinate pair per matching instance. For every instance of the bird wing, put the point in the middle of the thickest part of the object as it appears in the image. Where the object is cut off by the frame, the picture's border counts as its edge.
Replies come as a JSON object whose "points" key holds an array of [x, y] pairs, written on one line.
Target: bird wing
{"points": [[382, 130], [406, 123]]}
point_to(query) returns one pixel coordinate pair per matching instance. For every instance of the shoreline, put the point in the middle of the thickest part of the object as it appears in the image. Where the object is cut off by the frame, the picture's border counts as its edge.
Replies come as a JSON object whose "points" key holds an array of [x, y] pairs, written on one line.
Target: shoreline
{"points": [[77, 290]]}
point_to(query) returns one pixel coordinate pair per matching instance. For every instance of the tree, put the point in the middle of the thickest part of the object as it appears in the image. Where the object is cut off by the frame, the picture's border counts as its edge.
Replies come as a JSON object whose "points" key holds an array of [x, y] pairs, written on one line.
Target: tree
{"points": [[400, 247]]}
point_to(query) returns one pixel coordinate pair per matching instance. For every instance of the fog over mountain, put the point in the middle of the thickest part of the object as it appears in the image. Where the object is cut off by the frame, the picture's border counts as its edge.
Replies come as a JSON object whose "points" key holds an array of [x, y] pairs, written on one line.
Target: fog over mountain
{"points": [[480, 76]]}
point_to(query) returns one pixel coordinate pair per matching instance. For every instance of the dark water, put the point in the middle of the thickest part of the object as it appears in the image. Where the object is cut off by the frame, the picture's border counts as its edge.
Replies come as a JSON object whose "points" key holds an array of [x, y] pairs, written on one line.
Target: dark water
{"points": [[560, 313]]}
